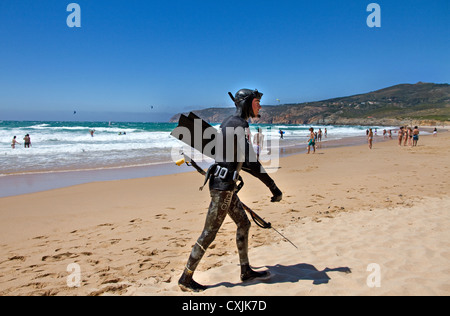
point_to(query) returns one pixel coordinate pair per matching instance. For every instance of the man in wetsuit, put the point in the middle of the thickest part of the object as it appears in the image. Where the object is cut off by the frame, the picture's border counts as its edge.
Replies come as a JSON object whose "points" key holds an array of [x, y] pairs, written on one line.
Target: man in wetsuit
{"points": [[223, 176]]}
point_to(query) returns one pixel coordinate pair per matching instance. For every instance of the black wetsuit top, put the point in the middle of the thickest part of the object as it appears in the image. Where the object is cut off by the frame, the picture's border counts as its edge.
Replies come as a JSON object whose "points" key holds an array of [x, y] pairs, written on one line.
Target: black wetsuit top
{"points": [[243, 158]]}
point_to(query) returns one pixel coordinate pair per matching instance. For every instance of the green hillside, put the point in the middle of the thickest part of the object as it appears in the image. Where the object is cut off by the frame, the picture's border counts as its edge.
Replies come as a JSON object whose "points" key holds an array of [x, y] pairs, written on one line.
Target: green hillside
{"points": [[420, 103]]}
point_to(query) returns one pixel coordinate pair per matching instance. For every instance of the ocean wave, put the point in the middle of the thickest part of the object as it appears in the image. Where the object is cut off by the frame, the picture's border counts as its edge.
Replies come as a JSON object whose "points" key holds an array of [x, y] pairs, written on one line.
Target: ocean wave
{"points": [[62, 145], [87, 129]]}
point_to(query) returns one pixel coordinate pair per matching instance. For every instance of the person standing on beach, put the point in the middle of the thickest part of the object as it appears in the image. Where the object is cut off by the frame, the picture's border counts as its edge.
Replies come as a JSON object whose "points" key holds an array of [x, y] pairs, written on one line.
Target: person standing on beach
{"points": [[222, 177], [410, 136], [405, 134], [14, 142], [415, 135], [258, 140], [370, 138], [400, 135], [311, 141], [27, 141]]}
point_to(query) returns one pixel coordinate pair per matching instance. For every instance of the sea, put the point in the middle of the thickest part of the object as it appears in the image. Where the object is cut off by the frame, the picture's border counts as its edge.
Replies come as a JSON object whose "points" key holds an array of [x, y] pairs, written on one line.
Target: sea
{"points": [[57, 146], [85, 147]]}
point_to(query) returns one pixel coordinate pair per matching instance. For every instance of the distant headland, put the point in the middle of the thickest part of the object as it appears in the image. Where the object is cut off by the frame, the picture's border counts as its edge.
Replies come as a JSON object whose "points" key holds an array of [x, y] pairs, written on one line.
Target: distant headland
{"points": [[403, 104]]}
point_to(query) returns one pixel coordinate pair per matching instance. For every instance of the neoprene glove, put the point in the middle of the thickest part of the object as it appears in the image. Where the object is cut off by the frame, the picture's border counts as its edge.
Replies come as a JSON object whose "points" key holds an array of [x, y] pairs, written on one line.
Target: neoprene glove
{"points": [[277, 194]]}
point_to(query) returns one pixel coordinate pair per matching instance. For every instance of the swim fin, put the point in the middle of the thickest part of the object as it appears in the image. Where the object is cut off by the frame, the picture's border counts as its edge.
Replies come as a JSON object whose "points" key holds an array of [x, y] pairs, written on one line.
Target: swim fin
{"points": [[197, 128]]}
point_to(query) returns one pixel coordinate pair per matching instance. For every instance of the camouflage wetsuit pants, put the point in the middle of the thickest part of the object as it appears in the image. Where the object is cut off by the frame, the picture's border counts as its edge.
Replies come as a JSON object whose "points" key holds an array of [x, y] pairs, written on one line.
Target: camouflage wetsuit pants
{"points": [[222, 203]]}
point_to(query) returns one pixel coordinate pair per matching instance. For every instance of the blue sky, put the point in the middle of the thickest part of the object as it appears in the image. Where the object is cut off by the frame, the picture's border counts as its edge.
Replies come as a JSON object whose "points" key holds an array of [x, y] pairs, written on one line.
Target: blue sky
{"points": [[183, 55]]}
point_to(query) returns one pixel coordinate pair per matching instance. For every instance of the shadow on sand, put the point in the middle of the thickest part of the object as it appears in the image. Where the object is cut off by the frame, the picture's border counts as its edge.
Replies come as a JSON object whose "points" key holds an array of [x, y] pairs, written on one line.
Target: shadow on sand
{"points": [[292, 274]]}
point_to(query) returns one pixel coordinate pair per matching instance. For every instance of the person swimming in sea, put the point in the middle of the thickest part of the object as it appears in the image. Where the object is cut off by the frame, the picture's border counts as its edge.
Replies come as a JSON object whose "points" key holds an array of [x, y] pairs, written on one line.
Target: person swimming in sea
{"points": [[27, 141], [14, 142]]}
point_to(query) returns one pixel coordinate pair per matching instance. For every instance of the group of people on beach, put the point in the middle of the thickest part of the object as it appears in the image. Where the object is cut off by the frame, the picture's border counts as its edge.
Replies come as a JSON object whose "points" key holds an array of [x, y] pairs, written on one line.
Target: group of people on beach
{"points": [[26, 141], [407, 135], [370, 133], [315, 137]]}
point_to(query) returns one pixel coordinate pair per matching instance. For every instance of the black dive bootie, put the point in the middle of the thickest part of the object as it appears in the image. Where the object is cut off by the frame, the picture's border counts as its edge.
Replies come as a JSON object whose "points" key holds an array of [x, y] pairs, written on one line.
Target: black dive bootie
{"points": [[187, 284], [248, 274]]}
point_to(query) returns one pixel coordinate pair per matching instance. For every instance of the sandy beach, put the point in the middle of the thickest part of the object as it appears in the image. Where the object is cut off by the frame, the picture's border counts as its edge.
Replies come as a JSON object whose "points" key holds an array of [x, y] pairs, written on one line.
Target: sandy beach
{"points": [[366, 222]]}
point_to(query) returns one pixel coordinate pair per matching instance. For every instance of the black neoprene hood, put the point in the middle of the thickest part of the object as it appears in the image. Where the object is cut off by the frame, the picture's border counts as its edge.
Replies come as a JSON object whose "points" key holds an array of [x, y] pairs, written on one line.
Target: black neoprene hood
{"points": [[243, 101]]}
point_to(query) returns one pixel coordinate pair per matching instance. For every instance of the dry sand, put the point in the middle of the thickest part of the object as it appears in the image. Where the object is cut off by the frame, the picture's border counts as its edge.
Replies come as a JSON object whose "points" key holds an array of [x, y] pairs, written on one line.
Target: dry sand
{"points": [[360, 217]]}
